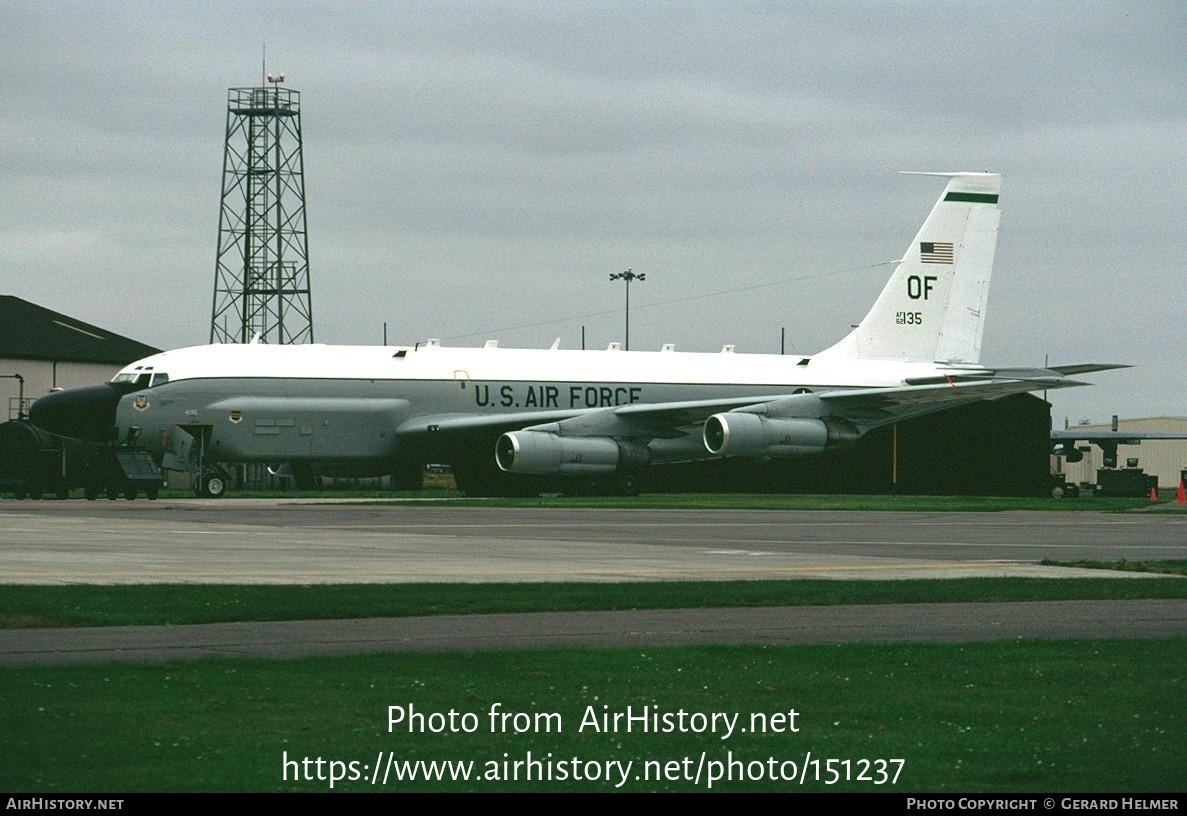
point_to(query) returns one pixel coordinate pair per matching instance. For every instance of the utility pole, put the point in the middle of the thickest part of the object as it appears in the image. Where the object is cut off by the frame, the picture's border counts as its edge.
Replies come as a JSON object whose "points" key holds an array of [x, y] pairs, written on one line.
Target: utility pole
{"points": [[628, 276]]}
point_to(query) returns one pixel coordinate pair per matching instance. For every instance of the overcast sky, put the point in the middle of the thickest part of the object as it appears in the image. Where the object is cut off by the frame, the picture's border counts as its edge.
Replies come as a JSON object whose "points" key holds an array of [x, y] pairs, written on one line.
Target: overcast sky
{"points": [[476, 170]]}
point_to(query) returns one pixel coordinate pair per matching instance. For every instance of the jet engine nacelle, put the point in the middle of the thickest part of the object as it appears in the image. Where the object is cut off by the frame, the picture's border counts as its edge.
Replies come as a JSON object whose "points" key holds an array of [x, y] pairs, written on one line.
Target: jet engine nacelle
{"points": [[739, 433], [544, 453]]}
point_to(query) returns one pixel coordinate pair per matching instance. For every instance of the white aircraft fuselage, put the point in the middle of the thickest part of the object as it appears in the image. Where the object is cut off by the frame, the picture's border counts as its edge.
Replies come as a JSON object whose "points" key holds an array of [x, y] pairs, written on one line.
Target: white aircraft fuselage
{"points": [[507, 413]]}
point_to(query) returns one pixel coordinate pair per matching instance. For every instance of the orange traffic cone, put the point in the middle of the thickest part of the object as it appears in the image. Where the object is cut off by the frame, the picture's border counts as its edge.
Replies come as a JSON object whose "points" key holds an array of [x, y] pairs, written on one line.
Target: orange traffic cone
{"points": [[1181, 494], [1153, 494]]}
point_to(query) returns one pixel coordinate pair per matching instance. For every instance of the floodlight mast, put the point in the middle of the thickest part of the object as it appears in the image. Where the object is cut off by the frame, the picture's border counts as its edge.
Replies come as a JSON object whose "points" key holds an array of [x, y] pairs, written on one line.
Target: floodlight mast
{"points": [[628, 276]]}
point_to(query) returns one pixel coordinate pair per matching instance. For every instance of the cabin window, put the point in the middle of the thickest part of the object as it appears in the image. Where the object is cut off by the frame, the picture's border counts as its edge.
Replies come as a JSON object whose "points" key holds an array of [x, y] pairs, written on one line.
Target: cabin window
{"points": [[160, 378]]}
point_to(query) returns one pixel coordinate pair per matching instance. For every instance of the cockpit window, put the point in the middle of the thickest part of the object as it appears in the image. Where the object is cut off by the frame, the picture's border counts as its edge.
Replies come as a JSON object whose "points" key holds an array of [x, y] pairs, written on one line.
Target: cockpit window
{"points": [[142, 379]]}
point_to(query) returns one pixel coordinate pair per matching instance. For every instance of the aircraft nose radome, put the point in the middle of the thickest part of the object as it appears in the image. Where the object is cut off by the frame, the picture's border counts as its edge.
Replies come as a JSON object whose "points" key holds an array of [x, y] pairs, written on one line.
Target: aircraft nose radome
{"points": [[80, 413]]}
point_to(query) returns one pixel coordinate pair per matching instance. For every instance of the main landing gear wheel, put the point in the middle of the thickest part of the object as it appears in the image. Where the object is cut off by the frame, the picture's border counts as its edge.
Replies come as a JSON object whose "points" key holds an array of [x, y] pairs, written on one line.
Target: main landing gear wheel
{"points": [[480, 478], [212, 487], [628, 484], [621, 484]]}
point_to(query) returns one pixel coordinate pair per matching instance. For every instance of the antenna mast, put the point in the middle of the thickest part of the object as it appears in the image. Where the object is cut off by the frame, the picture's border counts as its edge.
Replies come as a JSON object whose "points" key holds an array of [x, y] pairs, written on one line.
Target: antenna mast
{"points": [[261, 284]]}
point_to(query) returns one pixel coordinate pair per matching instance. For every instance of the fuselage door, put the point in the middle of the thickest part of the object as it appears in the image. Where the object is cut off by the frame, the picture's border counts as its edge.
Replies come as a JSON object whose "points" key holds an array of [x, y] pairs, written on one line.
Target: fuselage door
{"points": [[177, 448], [188, 444], [463, 390]]}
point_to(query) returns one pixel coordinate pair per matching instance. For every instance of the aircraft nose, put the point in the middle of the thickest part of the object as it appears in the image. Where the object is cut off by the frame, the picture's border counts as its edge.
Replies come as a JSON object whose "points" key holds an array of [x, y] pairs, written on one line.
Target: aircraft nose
{"points": [[81, 413]]}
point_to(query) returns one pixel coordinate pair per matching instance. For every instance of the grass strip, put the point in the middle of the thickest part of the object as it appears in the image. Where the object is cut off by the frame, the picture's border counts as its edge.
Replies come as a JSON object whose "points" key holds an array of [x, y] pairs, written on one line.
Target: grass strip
{"points": [[154, 604], [715, 501], [1169, 567], [1085, 715], [765, 501]]}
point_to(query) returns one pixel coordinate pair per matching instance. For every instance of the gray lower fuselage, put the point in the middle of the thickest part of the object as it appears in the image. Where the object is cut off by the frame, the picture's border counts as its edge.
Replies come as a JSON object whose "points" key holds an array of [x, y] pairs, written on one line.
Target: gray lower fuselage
{"points": [[348, 420]]}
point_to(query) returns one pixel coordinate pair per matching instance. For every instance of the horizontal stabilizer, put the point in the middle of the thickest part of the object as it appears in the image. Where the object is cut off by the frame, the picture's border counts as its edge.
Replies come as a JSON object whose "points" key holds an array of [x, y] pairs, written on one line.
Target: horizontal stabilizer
{"points": [[1084, 368], [869, 408], [1036, 375]]}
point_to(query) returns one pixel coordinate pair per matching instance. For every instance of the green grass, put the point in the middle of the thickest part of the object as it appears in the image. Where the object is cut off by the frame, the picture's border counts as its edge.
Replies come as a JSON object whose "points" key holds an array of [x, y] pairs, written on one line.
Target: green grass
{"points": [[91, 605], [1090, 715], [1168, 567], [775, 501]]}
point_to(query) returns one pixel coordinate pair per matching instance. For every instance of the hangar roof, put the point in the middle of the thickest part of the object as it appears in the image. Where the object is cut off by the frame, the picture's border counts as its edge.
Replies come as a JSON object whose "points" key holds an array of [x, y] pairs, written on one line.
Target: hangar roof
{"points": [[32, 332]]}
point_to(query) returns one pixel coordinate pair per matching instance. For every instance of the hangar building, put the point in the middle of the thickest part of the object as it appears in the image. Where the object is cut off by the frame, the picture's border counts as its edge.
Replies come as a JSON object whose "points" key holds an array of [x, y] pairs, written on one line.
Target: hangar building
{"points": [[991, 448], [52, 350], [1164, 458]]}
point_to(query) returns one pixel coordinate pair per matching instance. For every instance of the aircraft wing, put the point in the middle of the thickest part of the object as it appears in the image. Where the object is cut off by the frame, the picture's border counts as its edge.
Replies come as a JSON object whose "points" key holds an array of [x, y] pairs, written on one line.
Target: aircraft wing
{"points": [[638, 420], [869, 408], [865, 408], [458, 423]]}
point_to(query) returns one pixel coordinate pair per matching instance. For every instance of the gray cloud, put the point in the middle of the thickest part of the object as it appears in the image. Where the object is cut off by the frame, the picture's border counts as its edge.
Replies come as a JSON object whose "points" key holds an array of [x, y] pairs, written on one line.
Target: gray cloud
{"points": [[475, 166]]}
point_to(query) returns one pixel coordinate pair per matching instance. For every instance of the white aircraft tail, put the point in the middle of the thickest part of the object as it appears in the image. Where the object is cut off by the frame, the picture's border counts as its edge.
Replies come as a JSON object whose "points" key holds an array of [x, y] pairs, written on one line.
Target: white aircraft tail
{"points": [[933, 307]]}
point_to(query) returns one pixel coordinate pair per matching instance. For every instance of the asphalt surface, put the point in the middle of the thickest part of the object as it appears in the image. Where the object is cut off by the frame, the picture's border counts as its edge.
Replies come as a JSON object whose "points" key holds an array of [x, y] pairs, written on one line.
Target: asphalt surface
{"points": [[955, 622], [271, 541], [277, 541]]}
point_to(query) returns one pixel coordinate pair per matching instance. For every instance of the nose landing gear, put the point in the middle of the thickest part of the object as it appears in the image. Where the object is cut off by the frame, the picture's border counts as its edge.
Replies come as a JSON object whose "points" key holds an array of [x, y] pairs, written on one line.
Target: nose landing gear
{"points": [[211, 485]]}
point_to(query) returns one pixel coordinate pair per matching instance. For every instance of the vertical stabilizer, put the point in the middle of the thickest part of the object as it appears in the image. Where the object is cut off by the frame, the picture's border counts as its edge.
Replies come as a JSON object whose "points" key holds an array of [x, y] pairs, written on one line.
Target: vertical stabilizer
{"points": [[933, 307]]}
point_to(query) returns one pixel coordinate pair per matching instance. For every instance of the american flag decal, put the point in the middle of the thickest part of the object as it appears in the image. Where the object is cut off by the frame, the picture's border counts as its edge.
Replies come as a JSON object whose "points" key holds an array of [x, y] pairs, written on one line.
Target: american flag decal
{"points": [[935, 252]]}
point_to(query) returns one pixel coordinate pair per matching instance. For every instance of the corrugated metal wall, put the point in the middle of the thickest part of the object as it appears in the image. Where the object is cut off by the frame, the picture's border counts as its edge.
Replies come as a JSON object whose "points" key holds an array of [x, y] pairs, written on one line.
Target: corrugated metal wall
{"points": [[40, 376]]}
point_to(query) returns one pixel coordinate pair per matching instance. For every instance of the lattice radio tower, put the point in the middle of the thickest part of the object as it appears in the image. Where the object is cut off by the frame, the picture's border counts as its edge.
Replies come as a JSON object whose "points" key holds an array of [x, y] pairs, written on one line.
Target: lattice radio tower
{"points": [[261, 278]]}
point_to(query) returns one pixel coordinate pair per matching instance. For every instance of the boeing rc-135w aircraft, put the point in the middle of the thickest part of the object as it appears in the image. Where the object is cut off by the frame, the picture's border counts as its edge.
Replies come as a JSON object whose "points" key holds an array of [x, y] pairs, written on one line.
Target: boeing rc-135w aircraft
{"points": [[504, 418]]}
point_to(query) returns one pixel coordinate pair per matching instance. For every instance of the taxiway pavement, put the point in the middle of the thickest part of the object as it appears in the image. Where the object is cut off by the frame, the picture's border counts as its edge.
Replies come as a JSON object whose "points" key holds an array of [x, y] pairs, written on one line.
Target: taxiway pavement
{"points": [[303, 542], [287, 541]]}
